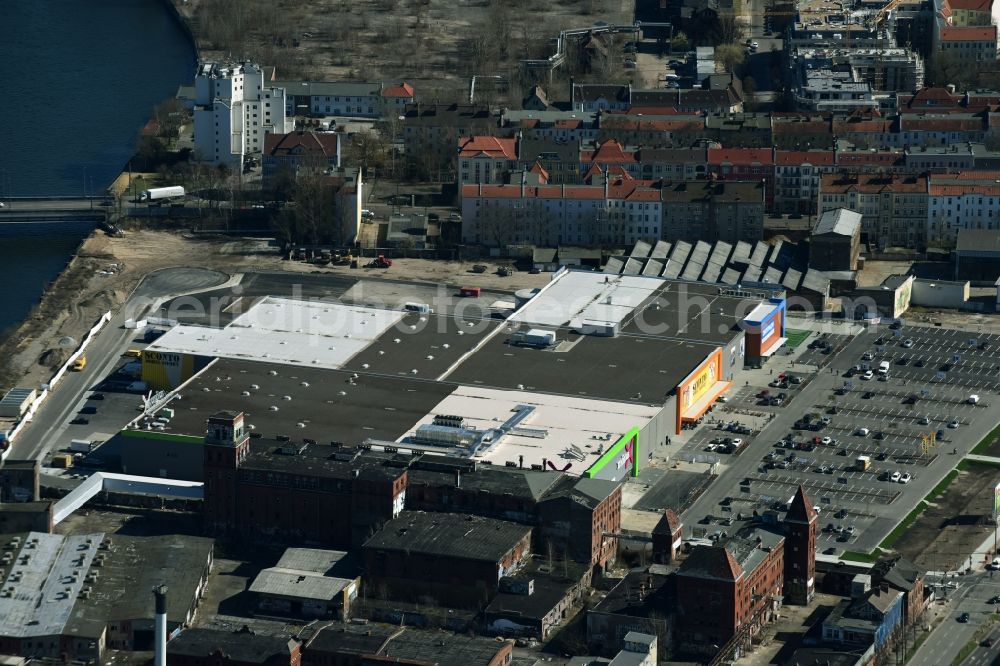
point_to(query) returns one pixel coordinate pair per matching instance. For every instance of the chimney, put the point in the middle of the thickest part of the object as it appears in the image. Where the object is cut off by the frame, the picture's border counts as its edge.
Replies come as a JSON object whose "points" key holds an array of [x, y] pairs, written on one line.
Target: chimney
{"points": [[458, 478], [520, 462], [545, 464], [160, 595]]}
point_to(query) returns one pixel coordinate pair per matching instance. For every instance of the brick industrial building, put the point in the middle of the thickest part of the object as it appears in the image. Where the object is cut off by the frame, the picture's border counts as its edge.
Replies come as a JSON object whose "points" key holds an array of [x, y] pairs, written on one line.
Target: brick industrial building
{"points": [[340, 496], [728, 591]]}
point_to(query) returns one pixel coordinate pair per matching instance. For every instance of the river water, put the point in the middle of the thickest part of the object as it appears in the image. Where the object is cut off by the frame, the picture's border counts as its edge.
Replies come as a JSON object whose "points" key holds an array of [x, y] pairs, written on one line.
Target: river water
{"points": [[82, 80]]}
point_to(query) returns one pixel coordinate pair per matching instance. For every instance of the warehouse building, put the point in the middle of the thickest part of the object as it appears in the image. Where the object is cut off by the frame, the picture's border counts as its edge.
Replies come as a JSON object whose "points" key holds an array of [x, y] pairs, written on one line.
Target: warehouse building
{"points": [[308, 582], [590, 374], [74, 597], [445, 559]]}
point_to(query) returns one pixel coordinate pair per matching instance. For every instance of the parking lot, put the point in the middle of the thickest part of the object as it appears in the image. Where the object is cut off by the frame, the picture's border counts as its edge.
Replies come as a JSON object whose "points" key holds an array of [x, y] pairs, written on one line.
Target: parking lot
{"points": [[930, 356], [866, 450]]}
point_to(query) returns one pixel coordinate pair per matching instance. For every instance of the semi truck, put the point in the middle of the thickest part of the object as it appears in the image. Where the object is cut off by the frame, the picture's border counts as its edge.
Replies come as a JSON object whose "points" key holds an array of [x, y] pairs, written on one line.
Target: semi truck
{"points": [[81, 445], [161, 193]]}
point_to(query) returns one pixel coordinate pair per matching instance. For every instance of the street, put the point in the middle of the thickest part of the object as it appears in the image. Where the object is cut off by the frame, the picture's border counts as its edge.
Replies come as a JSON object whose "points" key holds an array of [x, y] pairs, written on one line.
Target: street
{"points": [[947, 640], [50, 422]]}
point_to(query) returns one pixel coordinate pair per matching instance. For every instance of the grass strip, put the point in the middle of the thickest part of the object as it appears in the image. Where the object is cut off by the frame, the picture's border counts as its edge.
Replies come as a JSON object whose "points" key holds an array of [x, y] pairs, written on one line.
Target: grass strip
{"points": [[980, 448]]}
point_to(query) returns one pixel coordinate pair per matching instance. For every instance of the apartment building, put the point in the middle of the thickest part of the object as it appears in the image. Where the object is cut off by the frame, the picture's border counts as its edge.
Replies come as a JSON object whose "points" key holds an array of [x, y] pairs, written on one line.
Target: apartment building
{"points": [[233, 112], [893, 208], [343, 98], [965, 200], [612, 208], [713, 210]]}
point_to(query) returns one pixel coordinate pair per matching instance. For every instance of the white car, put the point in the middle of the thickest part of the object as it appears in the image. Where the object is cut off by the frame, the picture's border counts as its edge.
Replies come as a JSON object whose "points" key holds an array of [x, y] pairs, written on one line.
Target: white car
{"points": [[924, 421], [896, 476], [995, 564], [711, 447], [905, 478], [907, 343], [827, 440], [754, 45], [953, 424], [736, 442], [868, 375], [862, 432], [973, 399]]}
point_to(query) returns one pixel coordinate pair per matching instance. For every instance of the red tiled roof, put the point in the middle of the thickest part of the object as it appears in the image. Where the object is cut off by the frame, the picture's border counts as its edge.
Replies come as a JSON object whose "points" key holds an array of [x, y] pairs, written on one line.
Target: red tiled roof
{"points": [[609, 152], [491, 146], [873, 126], [957, 190], [310, 143], [971, 5], [741, 156], [619, 188], [967, 176], [650, 111], [910, 124], [817, 157], [969, 34], [625, 123], [932, 97], [568, 123], [402, 90], [543, 175], [528, 123]]}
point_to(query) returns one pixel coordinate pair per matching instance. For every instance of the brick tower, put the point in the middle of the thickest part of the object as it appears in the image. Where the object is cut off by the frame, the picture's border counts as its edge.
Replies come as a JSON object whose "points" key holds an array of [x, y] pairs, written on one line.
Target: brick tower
{"points": [[800, 550], [226, 447], [667, 536]]}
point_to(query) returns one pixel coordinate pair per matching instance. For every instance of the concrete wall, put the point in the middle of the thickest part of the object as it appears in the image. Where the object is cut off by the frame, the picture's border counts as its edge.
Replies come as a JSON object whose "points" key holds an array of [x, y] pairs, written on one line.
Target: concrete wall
{"points": [[939, 293]]}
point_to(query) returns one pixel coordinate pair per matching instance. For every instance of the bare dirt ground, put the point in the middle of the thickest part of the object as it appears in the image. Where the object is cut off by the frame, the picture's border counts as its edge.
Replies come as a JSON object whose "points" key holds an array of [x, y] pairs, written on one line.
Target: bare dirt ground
{"points": [[951, 527], [80, 295], [420, 41]]}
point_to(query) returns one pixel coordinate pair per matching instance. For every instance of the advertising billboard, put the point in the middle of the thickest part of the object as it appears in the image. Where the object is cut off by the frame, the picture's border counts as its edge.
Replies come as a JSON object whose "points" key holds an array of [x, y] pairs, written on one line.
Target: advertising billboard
{"points": [[619, 461], [168, 370], [703, 380]]}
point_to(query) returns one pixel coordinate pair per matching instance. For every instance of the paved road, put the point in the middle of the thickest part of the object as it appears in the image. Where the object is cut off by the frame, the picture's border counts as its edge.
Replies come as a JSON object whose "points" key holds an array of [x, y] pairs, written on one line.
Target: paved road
{"points": [[945, 642], [55, 205], [51, 421]]}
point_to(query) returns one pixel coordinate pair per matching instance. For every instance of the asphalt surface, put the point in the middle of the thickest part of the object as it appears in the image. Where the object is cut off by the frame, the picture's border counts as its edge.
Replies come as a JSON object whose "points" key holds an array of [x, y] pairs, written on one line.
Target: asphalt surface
{"points": [[872, 504], [50, 428], [950, 636]]}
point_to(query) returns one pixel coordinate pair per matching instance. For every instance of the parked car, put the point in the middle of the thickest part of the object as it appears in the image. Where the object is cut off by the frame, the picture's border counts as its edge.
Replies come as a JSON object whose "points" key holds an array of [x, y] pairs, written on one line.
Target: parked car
{"points": [[919, 363], [868, 375], [905, 477], [907, 344], [96, 396], [895, 477], [963, 618], [862, 432], [953, 423]]}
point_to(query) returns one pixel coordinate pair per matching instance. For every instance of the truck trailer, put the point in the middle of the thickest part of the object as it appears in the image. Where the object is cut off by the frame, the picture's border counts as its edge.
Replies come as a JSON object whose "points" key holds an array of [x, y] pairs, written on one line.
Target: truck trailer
{"points": [[161, 193]]}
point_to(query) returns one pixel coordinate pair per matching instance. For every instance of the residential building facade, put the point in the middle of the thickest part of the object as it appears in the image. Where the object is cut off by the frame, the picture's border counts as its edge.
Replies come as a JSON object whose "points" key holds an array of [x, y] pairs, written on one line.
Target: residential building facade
{"points": [[234, 111]]}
